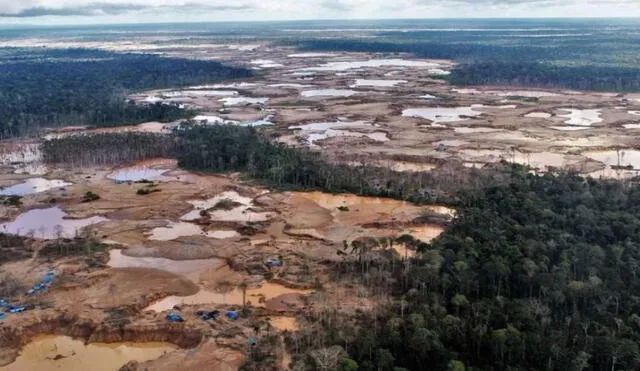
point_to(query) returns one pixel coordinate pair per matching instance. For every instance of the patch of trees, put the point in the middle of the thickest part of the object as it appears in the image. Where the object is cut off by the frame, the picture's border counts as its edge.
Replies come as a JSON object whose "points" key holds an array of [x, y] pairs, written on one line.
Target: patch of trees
{"points": [[225, 148], [50, 88], [541, 273], [109, 148], [230, 148]]}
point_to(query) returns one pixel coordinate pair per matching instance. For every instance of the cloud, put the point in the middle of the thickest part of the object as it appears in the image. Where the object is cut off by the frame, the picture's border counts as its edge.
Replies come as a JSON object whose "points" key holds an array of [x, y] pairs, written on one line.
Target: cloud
{"points": [[62, 11], [337, 5], [111, 9]]}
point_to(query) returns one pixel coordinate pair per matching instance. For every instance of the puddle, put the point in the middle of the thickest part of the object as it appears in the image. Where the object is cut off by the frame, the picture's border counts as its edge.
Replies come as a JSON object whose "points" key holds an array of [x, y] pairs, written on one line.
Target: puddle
{"points": [[378, 136], [538, 115], [175, 230], [631, 126], [319, 131], [442, 114], [428, 96], [233, 85], [438, 72], [48, 224], [212, 120], [569, 128], [234, 297], [50, 352], [303, 74], [266, 63], [634, 113], [328, 93], [377, 83], [372, 63], [310, 55], [236, 101], [239, 213], [189, 268], [263, 122], [138, 173], [221, 235], [466, 91], [623, 157], [199, 93], [284, 323], [581, 117], [469, 130], [34, 185], [292, 86]]}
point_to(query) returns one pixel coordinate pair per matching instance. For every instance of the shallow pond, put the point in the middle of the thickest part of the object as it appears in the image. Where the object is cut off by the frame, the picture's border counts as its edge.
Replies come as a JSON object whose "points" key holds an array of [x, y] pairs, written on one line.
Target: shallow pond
{"points": [[538, 115], [470, 130], [266, 63], [238, 213], [328, 93], [234, 297], [378, 136], [175, 230], [442, 114], [377, 83], [581, 117], [48, 224], [236, 101], [34, 185], [188, 268], [49, 352], [372, 63], [136, 174]]}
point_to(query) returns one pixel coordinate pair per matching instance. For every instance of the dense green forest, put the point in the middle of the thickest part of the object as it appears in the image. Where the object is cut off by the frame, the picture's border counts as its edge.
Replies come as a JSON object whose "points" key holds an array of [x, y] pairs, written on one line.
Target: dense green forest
{"points": [[537, 274], [534, 273], [50, 88], [575, 64]]}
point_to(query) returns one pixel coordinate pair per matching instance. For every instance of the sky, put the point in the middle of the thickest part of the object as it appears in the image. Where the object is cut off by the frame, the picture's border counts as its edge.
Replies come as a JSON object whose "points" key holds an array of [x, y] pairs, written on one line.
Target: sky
{"points": [[145, 11]]}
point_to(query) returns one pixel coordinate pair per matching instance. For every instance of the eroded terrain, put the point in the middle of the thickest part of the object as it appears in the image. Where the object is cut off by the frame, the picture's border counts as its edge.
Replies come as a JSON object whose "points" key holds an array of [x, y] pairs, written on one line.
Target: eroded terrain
{"points": [[205, 243]]}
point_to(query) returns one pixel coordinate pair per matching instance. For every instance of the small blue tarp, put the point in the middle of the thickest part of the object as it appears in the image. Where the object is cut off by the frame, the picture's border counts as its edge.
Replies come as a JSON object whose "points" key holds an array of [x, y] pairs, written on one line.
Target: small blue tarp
{"points": [[232, 315], [174, 317], [17, 309]]}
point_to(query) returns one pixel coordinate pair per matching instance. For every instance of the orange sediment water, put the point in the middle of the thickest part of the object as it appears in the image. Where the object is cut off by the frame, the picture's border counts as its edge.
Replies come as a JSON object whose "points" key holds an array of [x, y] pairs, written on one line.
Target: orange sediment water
{"points": [[50, 352]]}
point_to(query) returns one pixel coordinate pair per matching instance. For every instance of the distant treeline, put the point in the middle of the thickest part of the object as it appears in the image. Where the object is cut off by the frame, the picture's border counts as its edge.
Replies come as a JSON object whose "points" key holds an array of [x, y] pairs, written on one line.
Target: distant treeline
{"points": [[51, 88], [554, 66]]}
